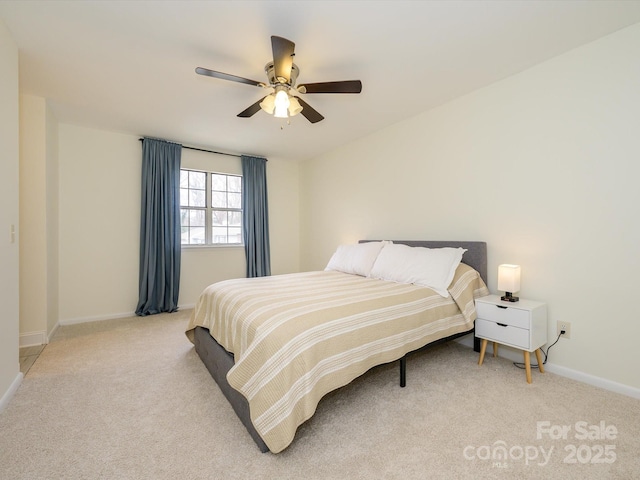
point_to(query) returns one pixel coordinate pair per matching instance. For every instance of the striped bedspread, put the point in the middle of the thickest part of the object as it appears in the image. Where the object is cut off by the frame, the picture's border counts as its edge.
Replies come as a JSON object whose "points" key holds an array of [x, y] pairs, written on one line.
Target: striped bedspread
{"points": [[297, 337]]}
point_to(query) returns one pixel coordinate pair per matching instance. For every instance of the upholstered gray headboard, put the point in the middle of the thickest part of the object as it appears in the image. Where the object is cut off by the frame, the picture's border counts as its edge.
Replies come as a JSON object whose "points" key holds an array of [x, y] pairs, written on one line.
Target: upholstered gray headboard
{"points": [[475, 256]]}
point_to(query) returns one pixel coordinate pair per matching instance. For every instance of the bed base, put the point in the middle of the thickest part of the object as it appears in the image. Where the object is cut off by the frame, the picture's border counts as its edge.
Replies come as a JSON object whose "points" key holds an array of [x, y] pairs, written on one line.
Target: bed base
{"points": [[218, 361]]}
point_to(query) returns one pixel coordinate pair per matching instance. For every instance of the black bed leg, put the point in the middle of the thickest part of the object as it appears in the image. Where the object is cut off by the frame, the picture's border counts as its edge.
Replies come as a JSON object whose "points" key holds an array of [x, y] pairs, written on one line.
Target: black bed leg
{"points": [[403, 371], [476, 344]]}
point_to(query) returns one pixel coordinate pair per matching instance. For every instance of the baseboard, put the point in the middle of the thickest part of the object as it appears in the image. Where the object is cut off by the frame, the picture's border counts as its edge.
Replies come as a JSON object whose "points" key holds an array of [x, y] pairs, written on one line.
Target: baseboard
{"points": [[32, 339], [53, 332], [8, 395], [516, 355], [97, 318], [115, 316], [593, 380]]}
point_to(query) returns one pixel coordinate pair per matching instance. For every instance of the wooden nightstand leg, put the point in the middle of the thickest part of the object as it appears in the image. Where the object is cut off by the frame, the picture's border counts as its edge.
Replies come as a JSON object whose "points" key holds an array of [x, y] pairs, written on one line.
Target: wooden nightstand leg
{"points": [[539, 357], [527, 365], [495, 349], [483, 348]]}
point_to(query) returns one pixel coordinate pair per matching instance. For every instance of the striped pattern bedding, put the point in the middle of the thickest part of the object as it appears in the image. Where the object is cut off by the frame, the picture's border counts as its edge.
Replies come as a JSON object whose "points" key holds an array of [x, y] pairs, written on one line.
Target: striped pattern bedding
{"points": [[297, 337]]}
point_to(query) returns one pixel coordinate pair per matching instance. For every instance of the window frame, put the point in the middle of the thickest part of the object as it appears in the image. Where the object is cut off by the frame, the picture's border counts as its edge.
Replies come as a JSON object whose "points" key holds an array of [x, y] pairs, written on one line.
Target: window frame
{"points": [[209, 210]]}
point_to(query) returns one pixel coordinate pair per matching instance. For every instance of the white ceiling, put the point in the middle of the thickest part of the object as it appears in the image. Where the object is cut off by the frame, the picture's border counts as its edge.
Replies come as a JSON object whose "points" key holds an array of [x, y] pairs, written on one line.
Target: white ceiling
{"points": [[129, 66]]}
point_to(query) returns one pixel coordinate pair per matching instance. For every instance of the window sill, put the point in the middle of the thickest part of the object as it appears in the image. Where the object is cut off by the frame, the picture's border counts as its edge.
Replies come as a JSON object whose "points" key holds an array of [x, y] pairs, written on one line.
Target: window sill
{"points": [[206, 247]]}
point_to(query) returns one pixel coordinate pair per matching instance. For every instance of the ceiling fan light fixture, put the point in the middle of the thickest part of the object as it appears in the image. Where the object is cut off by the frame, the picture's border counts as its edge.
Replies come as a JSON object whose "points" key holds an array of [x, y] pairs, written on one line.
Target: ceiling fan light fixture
{"points": [[268, 103], [294, 106], [280, 112], [282, 74], [281, 103]]}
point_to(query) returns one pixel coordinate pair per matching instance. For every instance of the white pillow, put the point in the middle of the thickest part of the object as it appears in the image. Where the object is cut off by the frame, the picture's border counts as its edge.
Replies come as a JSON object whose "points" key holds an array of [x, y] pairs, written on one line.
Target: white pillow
{"points": [[428, 267], [356, 259]]}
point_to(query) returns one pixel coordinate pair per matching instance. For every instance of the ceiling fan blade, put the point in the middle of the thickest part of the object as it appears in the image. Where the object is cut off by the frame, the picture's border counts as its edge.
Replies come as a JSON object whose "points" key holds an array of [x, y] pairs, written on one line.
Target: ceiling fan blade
{"points": [[283, 52], [252, 110], [226, 76], [309, 113], [347, 86]]}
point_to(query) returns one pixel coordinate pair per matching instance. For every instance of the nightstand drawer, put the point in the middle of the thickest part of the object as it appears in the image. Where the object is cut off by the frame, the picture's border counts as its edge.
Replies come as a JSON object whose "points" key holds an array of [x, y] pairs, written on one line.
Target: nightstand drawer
{"points": [[509, 335], [508, 316]]}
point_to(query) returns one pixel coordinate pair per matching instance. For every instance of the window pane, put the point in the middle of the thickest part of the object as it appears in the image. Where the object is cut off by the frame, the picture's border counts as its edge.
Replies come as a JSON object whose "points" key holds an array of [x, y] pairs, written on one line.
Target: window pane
{"points": [[196, 218], [235, 200], [198, 180], [219, 235], [184, 235], [235, 184], [184, 179], [235, 235], [197, 198], [197, 235], [184, 197], [219, 199], [219, 218], [184, 217], [218, 182], [235, 219]]}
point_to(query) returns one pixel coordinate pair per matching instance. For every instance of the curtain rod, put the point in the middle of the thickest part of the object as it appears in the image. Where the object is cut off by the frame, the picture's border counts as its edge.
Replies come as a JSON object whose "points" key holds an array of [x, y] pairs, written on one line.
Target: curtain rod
{"points": [[203, 150]]}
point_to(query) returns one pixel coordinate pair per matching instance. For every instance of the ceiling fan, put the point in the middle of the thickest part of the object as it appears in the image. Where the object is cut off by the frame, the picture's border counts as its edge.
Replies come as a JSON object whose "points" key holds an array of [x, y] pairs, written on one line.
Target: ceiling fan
{"points": [[282, 74]]}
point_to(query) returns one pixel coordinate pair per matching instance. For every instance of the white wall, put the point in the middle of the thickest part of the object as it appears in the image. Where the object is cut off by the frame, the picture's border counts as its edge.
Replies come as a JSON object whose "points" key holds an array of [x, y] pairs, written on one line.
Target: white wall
{"points": [[10, 375], [33, 238], [39, 221], [52, 208], [33, 219], [99, 212], [99, 223], [544, 166]]}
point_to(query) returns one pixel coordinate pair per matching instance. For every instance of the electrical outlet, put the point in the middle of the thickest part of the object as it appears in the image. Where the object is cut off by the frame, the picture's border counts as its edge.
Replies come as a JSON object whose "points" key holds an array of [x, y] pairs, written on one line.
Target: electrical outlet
{"points": [[566, 326]]}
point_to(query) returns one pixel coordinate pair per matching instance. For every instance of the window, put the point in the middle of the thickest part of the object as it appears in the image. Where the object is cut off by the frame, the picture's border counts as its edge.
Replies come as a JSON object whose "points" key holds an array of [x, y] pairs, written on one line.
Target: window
{"points": [[210, 208]]}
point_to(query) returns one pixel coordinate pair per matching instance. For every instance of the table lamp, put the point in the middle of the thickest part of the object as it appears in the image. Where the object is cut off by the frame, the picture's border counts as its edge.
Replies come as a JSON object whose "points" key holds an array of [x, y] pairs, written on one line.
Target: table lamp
{"points": [[509, 281]]}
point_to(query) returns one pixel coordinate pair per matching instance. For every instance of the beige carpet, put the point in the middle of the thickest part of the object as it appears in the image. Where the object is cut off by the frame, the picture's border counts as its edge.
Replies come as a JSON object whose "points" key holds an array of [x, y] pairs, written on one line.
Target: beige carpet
{"points": [[130, 399]]}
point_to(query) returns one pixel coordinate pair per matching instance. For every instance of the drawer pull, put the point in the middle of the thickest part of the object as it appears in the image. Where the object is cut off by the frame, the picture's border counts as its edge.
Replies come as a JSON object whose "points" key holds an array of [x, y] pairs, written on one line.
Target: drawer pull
{"points": [[502, 324], [502, 306]]}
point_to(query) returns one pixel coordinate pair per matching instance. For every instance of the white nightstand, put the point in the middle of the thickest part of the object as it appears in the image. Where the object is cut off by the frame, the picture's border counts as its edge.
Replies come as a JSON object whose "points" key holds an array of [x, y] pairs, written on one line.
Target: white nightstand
{"points": [[521, 325]]}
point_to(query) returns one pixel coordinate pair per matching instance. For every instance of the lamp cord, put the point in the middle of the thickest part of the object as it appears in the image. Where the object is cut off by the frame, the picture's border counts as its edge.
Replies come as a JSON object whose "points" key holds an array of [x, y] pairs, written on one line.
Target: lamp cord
{"points": [[522, 365]]}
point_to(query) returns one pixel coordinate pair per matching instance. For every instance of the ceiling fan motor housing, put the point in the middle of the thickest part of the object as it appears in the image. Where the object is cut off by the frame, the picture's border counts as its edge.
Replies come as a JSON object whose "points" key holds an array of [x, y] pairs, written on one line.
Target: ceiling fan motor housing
{"points": [[273, 80]]}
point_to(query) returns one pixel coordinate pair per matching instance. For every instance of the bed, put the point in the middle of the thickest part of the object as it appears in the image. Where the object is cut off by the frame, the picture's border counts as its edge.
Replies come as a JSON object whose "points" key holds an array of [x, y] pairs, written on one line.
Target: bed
{"points": [[297, 337]]}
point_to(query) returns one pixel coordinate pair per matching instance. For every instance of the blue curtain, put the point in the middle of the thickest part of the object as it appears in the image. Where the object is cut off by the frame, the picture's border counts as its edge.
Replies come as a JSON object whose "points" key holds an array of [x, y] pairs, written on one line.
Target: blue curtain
{"points": [[255, 222], [159, 279]]}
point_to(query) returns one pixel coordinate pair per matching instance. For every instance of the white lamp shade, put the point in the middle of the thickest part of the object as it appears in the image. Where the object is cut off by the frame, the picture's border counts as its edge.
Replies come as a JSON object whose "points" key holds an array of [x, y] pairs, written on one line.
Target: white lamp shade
{"points": [[509, 278], [268, 103], [294, 106]]}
